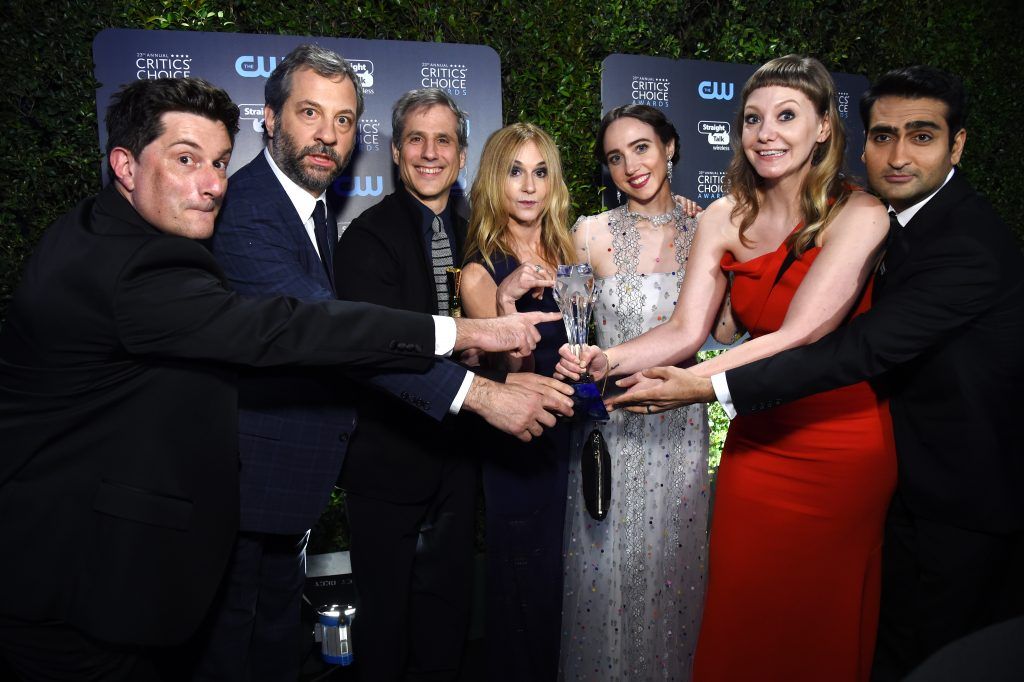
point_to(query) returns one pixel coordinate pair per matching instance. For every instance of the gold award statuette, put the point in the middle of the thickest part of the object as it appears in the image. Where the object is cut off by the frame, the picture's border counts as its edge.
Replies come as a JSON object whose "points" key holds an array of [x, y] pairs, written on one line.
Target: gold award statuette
{"points": [[454, 292]]}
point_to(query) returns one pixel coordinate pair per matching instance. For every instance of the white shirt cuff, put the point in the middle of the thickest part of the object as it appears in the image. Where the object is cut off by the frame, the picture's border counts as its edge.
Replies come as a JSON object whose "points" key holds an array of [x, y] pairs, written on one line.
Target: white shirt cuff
{"points": [[721, 387], [460, 397], [444, 336]]}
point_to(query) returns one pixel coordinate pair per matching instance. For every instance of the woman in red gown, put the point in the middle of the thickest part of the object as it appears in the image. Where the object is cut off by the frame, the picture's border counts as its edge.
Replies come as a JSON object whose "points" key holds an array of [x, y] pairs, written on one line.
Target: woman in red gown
{"points": [[802, 491]]}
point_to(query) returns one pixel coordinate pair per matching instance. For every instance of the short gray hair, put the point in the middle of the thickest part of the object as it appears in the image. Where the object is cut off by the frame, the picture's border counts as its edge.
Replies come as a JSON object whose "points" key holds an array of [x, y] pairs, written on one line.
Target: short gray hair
{"points": [[323, 62], [419, 99]]}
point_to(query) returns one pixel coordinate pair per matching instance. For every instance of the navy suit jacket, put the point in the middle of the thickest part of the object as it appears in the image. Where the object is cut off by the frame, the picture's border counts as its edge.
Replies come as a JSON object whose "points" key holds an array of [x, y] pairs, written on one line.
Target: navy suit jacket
{"points": [[294, 425], [942, 340]]}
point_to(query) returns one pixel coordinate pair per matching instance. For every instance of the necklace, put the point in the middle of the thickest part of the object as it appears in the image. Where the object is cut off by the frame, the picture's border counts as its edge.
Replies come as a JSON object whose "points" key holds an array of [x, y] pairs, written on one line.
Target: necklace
{"points": [[657, 220]]}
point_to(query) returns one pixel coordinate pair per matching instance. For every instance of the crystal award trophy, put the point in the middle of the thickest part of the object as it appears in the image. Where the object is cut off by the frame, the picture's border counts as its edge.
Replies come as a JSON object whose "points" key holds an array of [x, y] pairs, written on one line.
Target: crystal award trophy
{"points": [[574, 292]]}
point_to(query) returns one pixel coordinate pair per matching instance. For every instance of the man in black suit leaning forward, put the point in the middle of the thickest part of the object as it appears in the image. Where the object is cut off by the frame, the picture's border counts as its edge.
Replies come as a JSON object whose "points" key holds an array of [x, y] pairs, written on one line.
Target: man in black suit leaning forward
{"points": [[942, 341], [119, 464]]}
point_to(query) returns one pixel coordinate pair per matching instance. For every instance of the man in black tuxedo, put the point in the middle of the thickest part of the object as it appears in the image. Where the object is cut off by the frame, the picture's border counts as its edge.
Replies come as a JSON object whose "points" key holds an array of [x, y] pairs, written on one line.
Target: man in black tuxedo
{"points": [[411, 489], [942, 341], [276, 236], [119, 465]]}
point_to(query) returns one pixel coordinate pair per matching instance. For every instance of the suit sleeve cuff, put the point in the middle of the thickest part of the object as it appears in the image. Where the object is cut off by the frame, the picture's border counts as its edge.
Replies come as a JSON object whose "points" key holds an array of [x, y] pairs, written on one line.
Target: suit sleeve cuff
{"points": [[444, 337], [721, 387]]}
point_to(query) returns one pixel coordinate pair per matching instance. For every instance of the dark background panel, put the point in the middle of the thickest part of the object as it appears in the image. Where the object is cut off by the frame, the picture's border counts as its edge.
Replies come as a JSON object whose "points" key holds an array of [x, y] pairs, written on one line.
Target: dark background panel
{"points": [[240, 63]]}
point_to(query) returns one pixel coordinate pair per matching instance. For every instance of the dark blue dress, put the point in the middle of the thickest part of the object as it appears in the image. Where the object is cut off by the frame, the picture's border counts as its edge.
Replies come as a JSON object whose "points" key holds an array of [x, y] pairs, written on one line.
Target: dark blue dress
{"points": [[525, 493]]}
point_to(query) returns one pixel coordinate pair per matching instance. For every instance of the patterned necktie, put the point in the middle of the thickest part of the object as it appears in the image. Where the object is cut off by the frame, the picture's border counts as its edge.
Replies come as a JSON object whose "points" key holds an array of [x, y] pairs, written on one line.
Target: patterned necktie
{"points": [[326, 238], [441, 255]]}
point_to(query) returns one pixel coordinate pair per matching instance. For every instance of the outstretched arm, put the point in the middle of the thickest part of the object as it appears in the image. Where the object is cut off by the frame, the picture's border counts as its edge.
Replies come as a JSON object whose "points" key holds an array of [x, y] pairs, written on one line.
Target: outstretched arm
{"points": [[831, 288], [696, 310]]}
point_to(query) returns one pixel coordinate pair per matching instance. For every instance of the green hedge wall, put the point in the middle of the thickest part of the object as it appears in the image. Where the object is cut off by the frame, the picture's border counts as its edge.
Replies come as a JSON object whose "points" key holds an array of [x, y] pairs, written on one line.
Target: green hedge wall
{"points": [[551, 52]]}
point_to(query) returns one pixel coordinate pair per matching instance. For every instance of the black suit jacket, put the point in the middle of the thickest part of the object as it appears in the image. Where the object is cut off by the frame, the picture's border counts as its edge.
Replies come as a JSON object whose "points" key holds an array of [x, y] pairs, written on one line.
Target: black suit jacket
{"points": [[943, 341], [118, 421], [397, 453]]}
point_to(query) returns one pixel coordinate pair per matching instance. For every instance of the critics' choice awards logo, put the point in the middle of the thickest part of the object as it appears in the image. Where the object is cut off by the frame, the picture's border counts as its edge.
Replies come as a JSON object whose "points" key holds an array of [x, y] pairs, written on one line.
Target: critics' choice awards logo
{"points": [[369, 135], [710, 184], [254, 114], [717, 133], [452, 78], [151, 65], [843, 103], [715, 90], [650, 91]]}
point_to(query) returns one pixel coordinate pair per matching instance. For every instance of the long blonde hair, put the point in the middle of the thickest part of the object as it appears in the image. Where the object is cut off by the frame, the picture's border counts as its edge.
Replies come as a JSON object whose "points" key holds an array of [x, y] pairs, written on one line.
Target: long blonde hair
{"points": [[488, 220], [824, 192]]}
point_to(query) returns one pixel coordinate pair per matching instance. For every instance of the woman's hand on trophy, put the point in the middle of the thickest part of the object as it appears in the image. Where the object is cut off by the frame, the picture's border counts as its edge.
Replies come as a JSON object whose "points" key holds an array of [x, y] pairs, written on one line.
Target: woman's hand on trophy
{"points": [[590, 359], [690, 207], [528, 277]]}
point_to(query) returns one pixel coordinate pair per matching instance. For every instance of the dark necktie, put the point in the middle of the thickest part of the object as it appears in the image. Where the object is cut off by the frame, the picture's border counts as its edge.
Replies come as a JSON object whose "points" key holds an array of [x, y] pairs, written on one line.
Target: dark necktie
{"points": [[441, 255], [890, 239], [326, 238], [894, 228]]}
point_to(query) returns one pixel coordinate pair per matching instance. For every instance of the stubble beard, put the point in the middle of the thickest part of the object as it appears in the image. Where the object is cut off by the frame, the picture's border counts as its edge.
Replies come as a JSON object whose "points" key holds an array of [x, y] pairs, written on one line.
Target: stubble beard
{"points": [[288, 158]]}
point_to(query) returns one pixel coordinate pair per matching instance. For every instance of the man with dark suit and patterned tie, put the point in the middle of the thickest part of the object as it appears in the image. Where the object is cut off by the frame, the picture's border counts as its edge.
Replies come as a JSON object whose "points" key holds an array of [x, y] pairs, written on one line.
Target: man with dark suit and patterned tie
{"points": [[276, 236], [410, 490], [942, 341]]}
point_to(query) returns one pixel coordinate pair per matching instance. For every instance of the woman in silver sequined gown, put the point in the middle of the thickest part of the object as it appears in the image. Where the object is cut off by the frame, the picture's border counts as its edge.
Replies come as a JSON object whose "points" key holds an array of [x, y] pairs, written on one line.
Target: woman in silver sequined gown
{"points": [[634, 582]]}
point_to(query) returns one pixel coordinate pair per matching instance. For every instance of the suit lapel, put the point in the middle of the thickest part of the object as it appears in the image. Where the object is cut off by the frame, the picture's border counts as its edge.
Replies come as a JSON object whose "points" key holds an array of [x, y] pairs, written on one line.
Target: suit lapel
{"points": [[901, 245], [276, 197]]}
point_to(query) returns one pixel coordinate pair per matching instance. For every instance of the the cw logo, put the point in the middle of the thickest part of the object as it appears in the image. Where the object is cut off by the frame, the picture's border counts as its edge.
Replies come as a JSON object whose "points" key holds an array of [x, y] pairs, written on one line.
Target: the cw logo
{"points": [[249, 66], [710, 90], [360, 186]]}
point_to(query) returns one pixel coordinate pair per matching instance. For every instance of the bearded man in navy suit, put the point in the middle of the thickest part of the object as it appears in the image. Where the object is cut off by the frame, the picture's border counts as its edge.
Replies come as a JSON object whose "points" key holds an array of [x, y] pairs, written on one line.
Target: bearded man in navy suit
{"points": [[276, 236]]}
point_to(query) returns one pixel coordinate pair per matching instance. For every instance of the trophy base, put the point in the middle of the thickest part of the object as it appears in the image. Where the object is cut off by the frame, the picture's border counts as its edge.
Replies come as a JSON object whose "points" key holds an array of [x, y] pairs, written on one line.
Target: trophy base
{"points": [[587, 404]]}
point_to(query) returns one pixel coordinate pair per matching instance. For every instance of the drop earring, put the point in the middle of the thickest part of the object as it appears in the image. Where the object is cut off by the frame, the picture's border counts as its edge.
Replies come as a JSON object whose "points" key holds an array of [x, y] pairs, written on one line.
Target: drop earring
{"points": [[618, 197], [670, 171]]}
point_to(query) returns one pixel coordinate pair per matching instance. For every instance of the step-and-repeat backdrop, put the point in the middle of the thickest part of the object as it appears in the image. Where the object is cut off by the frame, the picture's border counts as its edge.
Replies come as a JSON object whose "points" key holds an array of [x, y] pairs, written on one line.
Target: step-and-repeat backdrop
{"points": [[240, 63], [701, 100]]}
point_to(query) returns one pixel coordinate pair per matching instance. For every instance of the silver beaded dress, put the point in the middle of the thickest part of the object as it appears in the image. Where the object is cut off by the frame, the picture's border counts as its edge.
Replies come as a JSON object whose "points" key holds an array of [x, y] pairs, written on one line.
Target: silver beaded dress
{"points": [[634, 582]]}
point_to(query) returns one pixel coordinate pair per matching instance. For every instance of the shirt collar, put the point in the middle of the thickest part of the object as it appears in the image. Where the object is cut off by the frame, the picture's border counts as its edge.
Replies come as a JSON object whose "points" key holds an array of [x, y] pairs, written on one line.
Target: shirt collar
{"points": [[302, 200], [427, 215], [907, 214]]}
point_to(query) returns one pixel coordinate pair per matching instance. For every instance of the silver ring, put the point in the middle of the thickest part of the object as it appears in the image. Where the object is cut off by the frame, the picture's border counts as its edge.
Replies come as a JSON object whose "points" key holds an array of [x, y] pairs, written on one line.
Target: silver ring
{"points": [[538, 268], [648, 409]]}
